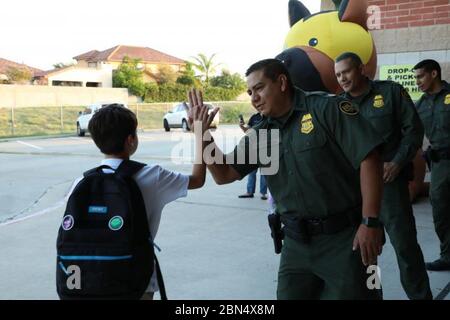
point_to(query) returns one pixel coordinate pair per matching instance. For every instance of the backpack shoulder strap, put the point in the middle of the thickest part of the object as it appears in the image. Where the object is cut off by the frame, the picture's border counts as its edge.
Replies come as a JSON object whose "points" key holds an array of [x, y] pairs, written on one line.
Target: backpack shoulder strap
{"points": [[128, 168], [159, 278]]}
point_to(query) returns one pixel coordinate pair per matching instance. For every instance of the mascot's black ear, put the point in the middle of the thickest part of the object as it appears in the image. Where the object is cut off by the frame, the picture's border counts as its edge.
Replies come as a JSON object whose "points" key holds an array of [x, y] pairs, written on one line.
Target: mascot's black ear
{"points": [[297, 11], [354, 11], [337, 3]]}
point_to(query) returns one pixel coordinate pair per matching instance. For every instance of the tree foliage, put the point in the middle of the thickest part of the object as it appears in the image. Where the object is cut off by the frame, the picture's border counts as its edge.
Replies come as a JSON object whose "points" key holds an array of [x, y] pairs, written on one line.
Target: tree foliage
{"points": [[187, 76], [205, 66], [129, 75], [228, 81], [165, 75], [19, 75]]}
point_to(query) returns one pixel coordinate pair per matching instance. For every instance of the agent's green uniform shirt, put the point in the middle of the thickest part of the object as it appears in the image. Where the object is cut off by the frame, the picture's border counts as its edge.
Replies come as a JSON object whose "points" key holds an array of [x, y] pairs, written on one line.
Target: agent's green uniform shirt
{"points": [[322, 141], [434, 111], [389, 108]]}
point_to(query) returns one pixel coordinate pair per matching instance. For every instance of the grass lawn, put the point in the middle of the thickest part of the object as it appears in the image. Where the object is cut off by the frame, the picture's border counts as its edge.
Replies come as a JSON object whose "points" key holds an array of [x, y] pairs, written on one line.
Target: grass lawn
{"points": [[47, 120]]}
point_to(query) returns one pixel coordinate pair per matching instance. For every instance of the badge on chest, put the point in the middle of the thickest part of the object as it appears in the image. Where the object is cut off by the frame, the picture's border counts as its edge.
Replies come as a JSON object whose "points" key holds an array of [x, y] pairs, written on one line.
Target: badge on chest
{"points": [[378, 101], [306, 125], [447, 99]]}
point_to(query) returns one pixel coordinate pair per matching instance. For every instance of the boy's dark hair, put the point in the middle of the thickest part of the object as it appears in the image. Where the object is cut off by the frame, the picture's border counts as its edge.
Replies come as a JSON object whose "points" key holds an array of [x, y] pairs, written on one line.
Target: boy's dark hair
{"points": [[429, 66], [354, 58], [110, 126], [272, 69]]}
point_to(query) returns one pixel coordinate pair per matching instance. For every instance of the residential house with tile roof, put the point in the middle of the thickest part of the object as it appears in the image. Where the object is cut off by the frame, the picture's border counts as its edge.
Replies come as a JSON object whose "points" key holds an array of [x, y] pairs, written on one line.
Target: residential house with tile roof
{"points": [[150, 59], [76, 76], [8, 66], [95, 68]]}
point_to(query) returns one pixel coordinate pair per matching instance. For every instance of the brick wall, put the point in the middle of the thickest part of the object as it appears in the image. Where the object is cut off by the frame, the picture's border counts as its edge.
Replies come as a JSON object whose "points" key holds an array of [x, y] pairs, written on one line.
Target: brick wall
{"points": [[412, 13]]}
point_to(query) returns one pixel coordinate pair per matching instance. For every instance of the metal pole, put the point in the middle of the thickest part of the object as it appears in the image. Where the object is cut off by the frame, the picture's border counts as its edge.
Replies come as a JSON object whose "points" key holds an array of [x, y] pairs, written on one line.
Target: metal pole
{"points": [[61, 117], [12, 117], [137, 112]]}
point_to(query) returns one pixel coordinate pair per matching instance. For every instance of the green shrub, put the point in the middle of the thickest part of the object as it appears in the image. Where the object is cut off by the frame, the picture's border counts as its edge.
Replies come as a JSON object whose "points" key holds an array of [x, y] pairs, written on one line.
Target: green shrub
{"points": [[176, 92], [230, 111], [221, 94]]}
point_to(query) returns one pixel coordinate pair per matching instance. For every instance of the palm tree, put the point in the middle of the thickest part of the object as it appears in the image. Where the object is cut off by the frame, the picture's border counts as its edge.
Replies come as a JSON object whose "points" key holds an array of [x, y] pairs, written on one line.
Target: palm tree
{"points": [[206, 66]]}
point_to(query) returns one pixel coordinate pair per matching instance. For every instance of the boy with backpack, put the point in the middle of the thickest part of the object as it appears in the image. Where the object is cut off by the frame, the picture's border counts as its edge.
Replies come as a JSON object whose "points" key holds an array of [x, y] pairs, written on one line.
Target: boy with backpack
{"points": [[114, 212]]}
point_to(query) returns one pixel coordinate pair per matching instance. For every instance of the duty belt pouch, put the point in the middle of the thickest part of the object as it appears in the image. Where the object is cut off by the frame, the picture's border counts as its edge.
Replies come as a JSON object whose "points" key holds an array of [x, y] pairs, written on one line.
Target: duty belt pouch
{"points": [[427, 156]]}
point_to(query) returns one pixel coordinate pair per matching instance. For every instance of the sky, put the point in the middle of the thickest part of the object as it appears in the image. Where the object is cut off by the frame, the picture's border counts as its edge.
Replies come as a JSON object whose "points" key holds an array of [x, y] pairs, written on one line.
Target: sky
{"points": [[240, 32]]}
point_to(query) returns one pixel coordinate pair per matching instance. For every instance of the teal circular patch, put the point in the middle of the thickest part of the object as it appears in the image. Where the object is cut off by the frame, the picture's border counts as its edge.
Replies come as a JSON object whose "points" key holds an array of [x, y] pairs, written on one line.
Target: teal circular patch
{"points": [[115, 223]]}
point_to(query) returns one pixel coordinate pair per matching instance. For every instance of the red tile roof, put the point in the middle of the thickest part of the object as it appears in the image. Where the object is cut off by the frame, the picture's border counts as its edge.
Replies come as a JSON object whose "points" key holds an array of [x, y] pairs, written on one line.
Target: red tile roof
{"points": [[6, 64], [117, 53], [41, 74], [87, 55]]}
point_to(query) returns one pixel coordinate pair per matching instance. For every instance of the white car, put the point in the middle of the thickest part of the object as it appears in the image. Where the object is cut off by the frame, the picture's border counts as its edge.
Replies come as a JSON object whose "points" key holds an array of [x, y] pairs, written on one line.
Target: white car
{"points": [[178, 118], [85, 116]]}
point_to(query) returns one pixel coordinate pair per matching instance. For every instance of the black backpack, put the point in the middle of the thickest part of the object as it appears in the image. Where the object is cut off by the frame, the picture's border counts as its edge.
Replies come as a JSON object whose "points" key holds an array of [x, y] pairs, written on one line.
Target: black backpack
{"points": [[104, 248]]}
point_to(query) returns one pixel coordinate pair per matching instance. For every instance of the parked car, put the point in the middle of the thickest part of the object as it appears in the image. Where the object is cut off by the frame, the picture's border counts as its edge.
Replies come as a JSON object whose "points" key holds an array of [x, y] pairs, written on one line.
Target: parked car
{"points": [[85, 116], [178, 118]]}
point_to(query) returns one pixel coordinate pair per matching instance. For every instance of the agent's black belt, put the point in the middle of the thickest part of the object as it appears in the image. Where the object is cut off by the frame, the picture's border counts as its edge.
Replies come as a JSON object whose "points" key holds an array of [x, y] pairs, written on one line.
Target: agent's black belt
{"points": [[303, 229]]}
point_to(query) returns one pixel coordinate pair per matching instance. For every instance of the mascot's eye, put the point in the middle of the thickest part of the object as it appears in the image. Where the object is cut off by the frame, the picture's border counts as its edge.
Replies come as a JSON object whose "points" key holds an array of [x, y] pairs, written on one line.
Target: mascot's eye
{"points": [[313, 42]]}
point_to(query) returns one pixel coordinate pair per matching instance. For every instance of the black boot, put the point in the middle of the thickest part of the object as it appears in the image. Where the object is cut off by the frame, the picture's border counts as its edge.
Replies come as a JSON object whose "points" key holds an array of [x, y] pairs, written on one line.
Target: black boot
{"points": [[438, 265]]}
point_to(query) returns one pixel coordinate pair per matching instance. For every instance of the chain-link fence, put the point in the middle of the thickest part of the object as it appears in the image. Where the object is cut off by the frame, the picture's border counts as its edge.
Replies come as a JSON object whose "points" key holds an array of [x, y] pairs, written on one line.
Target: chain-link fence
{"points": [[34, 121]]}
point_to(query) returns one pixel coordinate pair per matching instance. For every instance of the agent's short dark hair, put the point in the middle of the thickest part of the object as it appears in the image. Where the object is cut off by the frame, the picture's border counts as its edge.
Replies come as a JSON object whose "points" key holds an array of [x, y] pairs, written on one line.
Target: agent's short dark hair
{"points": [[354, 58], [429, 65], [110, 126], [272, 69]]}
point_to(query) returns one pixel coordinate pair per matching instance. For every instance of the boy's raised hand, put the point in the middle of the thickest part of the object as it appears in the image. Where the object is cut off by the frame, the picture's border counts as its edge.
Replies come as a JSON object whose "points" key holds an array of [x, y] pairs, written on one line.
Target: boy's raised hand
{"points": [[198, 112]]}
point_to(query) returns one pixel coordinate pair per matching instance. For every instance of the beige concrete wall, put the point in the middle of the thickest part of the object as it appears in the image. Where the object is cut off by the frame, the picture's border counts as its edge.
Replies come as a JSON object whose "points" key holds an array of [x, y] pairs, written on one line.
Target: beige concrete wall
{"points": [[37, 96], [411, 45]]}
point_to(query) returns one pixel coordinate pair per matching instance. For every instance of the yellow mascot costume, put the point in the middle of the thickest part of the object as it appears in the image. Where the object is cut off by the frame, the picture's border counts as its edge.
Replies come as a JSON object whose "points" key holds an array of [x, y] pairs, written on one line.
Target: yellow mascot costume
{"points": [[315, 41]]}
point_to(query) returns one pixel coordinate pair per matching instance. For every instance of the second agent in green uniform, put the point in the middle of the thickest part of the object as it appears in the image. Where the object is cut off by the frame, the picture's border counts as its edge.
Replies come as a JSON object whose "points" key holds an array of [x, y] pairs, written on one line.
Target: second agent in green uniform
{"points": [[391, 111], [332, 235], [434, 110]]}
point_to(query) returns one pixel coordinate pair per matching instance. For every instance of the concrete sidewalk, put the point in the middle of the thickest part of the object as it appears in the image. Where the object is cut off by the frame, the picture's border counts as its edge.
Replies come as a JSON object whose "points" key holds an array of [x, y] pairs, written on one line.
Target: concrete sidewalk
{"points": [[214, 246]]}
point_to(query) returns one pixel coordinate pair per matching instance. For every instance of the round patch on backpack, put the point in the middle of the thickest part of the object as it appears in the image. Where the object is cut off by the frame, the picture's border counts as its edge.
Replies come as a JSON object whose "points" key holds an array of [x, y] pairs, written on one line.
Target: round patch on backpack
{"points": [[115, 223], [68, 222]]}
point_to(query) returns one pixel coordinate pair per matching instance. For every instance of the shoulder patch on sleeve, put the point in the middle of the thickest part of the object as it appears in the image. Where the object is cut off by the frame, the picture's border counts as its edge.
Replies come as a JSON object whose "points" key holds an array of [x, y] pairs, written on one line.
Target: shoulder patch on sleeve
{"points": [[348, 108], [405, 93]]}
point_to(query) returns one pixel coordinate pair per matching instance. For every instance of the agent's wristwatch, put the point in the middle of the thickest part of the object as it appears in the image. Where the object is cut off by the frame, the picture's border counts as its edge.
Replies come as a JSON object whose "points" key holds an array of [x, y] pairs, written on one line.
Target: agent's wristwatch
{"points": [[371, 222]]}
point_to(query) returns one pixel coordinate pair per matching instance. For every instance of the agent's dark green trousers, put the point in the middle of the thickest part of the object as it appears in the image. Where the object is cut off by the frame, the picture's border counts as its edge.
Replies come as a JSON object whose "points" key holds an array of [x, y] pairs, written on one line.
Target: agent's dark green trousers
{"points": [[440, 201], [400, 225], [326, 268]]}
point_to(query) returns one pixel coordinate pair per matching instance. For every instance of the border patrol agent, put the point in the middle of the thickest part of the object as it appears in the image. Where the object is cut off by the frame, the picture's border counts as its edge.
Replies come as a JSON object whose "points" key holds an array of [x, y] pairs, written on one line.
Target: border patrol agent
{"points": [[319, 196], [434, 111], [389, 108]]}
